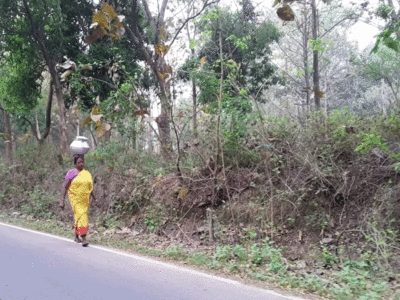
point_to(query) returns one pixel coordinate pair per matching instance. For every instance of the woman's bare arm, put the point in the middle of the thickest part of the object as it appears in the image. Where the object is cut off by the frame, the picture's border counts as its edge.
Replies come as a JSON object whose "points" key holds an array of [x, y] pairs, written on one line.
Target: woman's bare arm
{"points": [[64, 190]]}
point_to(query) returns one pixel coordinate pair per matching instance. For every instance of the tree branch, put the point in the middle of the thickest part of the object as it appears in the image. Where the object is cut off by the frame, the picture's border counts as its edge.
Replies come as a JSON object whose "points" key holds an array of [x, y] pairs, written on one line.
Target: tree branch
{"points": [[48, 112], [330, 29], [163, 9], [149, 17], [206, 4]]}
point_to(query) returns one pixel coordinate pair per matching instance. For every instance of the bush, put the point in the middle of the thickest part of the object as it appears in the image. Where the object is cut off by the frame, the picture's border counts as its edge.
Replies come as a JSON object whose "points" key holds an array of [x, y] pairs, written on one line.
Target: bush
{"points": [[176, 253], [224, 253], [39, 204], [355, 280]]}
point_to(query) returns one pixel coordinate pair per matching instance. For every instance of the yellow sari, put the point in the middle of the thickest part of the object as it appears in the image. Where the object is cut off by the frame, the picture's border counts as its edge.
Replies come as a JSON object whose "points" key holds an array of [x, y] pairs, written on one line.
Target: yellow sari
{"points": [[79, 193]]}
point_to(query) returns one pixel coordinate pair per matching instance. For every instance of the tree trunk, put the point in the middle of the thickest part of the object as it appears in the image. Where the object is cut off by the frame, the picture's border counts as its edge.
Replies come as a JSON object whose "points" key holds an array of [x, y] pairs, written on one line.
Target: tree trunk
{"points": [[9, 146], [164, 94], [194, 96], [51, 64], [41, 138], [305, 58], [219, 147], [315, 57], [63, 130], [157, 62]]}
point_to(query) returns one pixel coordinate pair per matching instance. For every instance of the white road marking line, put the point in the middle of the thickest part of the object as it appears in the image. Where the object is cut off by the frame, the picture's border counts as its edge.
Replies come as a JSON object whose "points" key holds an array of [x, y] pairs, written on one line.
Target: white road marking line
{"points": [[149, 260]]}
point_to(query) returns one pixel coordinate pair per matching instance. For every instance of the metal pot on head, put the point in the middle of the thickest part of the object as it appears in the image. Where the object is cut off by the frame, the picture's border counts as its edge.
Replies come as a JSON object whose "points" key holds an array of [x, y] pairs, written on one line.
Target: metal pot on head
{"points": [[80, 145]]}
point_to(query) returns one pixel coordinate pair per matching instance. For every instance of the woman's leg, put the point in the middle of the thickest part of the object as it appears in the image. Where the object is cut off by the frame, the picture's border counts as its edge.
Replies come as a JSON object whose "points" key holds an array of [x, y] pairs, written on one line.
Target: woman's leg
{"points": [[84, 241], [77, 239]]}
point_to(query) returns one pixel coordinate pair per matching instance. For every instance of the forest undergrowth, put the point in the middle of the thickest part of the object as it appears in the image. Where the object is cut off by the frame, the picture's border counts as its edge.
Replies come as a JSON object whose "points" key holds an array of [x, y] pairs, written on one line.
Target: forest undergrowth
{"points": [[313, 207]]}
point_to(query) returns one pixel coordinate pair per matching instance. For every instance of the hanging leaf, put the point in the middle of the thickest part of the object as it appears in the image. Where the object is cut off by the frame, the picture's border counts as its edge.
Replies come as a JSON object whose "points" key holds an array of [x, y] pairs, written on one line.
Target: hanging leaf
{"points": [[86, 67], [95, 110], [5, 136], [86, 121], [285, 13], [97, 34], [106, 22], [141, 112], [65, 75], [162, 49], [107, 126], [163, 34], [95, 118], [203, 60], [162, 76]]}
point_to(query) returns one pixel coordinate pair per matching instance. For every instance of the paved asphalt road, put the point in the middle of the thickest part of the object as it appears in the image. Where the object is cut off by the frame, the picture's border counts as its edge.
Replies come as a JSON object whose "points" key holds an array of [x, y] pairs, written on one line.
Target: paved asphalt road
{"points": [[40, 266]]}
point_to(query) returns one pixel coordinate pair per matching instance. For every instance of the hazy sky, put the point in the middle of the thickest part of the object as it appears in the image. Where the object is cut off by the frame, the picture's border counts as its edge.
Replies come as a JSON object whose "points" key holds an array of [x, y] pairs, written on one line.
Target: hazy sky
{"points": [[361, 32]]}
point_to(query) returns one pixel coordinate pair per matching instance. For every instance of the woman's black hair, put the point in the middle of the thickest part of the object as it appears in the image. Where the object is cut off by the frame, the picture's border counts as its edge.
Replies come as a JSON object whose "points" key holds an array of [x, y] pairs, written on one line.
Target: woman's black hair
{"points": [[77, 156]]}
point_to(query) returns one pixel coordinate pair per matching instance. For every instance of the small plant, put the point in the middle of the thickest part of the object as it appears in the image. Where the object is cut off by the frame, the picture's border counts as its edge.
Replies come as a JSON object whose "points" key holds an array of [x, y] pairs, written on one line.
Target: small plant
{"points": [[224, 253], [355, 282], [38, 205], [2, 197], [328, 258], [370, 140], [198, 259], [150, 224], [291, 221], [266, 254], [394, 121], [154, 216], [108, 221], [176, 253], [240, 253]]}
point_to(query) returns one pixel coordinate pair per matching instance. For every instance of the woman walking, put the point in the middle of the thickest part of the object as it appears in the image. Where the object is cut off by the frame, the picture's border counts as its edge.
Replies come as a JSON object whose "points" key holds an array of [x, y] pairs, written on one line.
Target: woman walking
{"points": [[79, 184]]}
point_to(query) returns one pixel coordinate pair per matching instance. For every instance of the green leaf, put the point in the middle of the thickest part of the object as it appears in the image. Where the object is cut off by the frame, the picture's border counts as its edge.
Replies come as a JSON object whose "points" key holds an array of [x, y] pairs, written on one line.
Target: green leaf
{"points": [[242, 92], [376, 140], [276, 3], [193, 43], [212, 15], [300, 73]]}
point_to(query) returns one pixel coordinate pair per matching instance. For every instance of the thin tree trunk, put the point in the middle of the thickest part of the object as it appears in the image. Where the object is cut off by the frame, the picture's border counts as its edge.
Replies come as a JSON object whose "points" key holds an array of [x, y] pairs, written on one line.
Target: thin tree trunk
{"points": [[48, 111], [305, 58], [9, 146], [64, 137], [157, 62], [51, 64], [163, 120], [220, 96], [38, 135], [315, 57], [194, 105]]}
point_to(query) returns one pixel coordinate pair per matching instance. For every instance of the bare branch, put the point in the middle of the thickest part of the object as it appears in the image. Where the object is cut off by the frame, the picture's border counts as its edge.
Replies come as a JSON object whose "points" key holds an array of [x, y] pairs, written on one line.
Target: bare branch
{"points": [[163, 9], [149, 17], [349, 17], [206, 4]]}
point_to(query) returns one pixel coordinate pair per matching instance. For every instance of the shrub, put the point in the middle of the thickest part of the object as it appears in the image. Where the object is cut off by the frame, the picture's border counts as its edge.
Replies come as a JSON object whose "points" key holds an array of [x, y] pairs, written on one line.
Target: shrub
{"points": [[175, 252], [39, 204], [224, 253], [370, 140]]}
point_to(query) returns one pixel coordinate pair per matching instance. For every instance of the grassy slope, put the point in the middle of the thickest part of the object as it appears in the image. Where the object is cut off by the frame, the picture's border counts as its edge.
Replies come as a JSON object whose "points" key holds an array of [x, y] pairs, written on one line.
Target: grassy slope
{"points": [[297, 208]]}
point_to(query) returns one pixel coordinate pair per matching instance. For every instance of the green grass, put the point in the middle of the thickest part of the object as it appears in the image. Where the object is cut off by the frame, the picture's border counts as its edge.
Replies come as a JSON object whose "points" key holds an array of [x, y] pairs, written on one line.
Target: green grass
{"points": [[257, 261]]}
